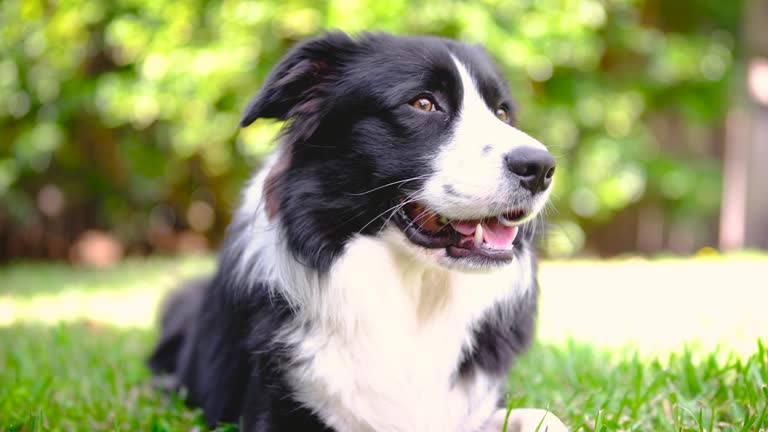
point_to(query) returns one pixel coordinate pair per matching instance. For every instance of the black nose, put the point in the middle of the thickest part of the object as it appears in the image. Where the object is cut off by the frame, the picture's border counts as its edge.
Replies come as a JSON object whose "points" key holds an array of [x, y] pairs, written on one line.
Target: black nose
{"points": [[533, 166]]}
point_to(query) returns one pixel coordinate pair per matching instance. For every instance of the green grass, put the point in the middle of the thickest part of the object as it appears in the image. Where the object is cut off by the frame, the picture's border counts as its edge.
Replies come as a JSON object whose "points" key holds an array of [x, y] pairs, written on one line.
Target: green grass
{"points": [[597, 390], [82, 376], [73, 344]]}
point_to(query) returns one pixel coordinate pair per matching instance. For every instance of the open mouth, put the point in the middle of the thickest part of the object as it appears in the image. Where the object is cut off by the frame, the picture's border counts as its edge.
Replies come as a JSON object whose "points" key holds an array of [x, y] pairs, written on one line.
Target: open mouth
{"points": [[491, 237]]}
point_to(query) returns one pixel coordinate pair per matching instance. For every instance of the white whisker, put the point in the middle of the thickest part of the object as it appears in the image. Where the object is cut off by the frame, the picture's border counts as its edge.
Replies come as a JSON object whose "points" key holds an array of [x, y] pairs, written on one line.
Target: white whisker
{"points": [[393, 209], [409, 199], [400, 182]]}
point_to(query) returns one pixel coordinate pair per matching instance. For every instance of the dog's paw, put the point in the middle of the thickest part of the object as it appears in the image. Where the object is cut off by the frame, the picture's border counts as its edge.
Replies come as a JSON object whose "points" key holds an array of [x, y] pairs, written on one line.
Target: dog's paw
{"points": [[525, 420]]}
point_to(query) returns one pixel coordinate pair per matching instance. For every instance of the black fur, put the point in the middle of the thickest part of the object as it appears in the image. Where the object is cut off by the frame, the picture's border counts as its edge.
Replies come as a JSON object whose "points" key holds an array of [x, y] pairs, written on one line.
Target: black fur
{"points": [[350, 130], [225, 358]]}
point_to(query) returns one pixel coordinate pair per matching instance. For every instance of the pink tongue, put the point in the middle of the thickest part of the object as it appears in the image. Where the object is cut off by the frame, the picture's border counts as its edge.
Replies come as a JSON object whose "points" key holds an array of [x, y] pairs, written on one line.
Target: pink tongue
{"points": [[498, 236], [495, 234]]}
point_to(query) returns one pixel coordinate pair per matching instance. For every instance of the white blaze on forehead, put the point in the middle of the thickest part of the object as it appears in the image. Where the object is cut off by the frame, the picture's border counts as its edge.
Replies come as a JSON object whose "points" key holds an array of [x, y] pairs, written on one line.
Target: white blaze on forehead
{"points": [[470, 177], [479, 119], [472, 105]]}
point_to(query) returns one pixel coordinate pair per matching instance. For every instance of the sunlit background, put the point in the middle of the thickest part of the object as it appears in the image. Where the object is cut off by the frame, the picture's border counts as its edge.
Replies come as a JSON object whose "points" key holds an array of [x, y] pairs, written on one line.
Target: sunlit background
{"points": [[121, 161], [118, 119]]}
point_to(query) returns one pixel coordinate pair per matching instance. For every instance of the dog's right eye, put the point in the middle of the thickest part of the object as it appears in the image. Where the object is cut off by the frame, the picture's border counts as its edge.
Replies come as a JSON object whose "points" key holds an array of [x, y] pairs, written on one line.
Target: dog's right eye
{"points": [[423, 104], [503, 114]]}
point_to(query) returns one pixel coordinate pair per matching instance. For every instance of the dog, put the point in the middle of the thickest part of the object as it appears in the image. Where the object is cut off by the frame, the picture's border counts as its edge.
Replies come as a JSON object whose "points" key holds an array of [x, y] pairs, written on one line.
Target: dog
{"points": [[379, 274]]}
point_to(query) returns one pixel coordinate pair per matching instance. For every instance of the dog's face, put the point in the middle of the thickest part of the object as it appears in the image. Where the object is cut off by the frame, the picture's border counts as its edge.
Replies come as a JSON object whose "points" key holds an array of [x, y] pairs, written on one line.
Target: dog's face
{"points": [[411, 139]]}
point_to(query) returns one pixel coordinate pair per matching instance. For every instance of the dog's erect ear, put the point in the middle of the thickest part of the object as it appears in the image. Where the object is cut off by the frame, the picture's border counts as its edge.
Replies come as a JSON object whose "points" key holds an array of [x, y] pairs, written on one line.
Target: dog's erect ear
{"points": [[295, 86]]}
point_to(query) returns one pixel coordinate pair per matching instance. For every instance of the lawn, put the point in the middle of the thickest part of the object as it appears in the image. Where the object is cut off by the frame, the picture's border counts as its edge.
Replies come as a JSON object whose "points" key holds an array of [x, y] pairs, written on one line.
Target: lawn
{"points": [[623, 345]]}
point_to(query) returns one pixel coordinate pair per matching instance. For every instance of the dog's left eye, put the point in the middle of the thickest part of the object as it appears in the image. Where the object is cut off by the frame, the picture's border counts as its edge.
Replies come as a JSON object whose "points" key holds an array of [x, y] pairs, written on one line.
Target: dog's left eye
{"points": [[502, 114], [423, 104]]}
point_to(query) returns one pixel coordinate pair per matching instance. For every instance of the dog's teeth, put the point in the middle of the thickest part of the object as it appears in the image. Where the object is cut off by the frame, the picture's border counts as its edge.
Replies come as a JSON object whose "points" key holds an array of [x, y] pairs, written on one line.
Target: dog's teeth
{"points": [[479, 235], [443, 220]]}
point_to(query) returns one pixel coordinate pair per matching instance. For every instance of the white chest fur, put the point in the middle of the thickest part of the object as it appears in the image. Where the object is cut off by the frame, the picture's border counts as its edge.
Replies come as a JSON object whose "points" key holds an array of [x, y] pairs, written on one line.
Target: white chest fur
{"points": [[379, 346]]}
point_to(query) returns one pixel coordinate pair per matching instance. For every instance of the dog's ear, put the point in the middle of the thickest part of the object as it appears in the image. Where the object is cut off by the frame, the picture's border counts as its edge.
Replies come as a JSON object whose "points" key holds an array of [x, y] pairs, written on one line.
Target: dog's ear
{"points": [[296, 86]]}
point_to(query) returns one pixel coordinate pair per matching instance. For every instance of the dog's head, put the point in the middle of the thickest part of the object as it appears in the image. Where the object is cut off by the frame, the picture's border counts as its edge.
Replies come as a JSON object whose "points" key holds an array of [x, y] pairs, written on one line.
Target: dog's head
{"points": [[408, 138]]}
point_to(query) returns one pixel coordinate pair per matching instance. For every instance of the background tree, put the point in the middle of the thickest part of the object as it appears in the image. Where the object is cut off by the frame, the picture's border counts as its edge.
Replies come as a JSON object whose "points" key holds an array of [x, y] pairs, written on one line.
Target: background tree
{"points": [[120, 115]]}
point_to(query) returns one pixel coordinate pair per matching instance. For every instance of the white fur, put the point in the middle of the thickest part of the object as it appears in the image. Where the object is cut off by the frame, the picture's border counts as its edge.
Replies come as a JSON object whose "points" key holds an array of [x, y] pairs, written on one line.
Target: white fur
{"points": [[480, 179], [385, 338]]}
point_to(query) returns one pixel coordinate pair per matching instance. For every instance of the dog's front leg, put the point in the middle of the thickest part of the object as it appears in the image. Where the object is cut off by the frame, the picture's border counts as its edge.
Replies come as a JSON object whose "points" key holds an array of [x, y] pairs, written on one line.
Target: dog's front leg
{"points": [[525, 420]]}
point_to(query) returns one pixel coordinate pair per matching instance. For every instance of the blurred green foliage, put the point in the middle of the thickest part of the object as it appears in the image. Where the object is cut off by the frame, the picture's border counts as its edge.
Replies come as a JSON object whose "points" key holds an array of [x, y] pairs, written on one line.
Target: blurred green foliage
{"points": [[129, 107]]}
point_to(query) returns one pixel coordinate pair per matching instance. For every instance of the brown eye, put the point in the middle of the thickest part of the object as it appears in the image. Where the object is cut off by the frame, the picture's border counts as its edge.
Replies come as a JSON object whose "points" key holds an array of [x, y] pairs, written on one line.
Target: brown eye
{"points": [[502, 114], [423, 104]]}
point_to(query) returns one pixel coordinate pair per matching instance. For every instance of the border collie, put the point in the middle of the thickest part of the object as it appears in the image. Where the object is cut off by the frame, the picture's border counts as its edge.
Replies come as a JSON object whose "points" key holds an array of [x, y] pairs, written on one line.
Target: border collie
{"points": [[379, 274]]}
